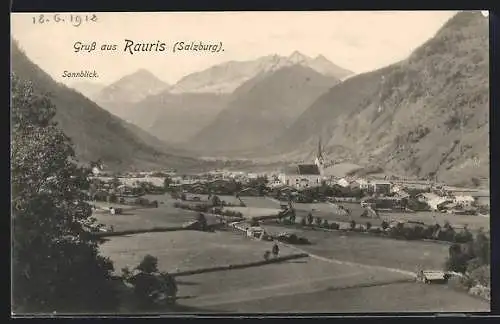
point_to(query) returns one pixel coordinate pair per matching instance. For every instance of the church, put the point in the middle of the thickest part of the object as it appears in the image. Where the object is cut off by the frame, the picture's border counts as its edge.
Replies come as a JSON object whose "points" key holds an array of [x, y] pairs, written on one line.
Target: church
{"points": [[304, 175]]}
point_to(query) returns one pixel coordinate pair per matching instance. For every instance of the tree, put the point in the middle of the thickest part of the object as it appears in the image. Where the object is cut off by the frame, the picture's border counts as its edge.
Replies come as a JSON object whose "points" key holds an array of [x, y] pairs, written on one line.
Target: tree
{"points": [[481, 247], [317, 221], [216, 201], [148, 265], [457, 259], [292, 215], [115, 182], [151, 286], [203, 221], [56, 262], [303, 221], [167, 182], [310, 219]]}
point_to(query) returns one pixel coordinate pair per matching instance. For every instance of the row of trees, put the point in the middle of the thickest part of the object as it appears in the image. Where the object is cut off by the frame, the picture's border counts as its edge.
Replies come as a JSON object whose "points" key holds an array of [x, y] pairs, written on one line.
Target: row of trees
{"points": [[472, 259], [400, 230], [55, 260]]}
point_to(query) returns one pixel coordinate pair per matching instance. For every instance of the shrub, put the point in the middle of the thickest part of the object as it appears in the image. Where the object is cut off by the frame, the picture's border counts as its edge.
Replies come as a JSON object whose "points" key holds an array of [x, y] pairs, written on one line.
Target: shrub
{"points": [[384, 225], [151, 287], [375, 230], [368, 226], [481, 275], [317, 221], [325, 224], [310, 219], [461, 283], [303, 221], [352, 224]]}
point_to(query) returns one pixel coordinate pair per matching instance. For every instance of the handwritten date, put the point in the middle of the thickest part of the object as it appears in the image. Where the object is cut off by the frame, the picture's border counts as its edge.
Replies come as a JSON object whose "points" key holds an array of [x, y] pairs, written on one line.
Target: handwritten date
{"points": [[72, 19]]}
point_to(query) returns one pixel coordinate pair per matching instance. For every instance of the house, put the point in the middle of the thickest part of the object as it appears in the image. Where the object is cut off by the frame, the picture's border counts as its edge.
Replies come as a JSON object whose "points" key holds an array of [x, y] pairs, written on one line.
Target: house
{"points": [[363, 184], [343, 183], [380, 187], [427, 276], [464, 200], [432, 199], [255, 231]]}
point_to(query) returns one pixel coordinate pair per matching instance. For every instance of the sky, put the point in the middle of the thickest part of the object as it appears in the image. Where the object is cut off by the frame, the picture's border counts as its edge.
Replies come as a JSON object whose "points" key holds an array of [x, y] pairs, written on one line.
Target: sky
{"points": [[360, 41]]}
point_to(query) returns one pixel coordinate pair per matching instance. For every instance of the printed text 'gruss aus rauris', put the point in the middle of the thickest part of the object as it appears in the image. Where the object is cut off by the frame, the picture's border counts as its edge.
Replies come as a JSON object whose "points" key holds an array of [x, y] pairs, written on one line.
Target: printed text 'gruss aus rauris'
{"points": [[132, 47]]}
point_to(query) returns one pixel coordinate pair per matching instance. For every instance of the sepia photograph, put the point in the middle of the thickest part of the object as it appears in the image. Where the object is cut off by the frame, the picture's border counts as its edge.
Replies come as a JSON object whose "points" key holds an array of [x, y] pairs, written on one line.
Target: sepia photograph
{"points": [[306, 162]]}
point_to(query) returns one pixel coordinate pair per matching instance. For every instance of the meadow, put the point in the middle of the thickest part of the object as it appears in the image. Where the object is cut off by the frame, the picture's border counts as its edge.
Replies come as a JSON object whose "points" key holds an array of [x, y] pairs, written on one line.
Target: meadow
{"points": [[145, 218], [186, 250], [345, 272], [371, 250], [391, 297], [273, 280]]}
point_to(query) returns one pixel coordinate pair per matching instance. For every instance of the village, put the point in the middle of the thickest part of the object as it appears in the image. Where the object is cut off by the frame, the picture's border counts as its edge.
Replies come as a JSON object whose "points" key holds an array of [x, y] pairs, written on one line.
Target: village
{"points": [[302, 183]]}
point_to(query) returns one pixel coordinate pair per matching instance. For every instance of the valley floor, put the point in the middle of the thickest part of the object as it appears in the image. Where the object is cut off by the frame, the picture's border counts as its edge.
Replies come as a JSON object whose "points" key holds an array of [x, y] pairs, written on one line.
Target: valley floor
{"points": [[343, 273]]}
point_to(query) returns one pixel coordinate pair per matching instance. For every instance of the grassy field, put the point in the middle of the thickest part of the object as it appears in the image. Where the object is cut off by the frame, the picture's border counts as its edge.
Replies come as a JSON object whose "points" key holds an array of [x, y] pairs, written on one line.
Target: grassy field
{"points": [[260, 202], [394, 297], [186, 250], [342, 275], [249, 212], [144, 218], [281, 279], [370, 250]]}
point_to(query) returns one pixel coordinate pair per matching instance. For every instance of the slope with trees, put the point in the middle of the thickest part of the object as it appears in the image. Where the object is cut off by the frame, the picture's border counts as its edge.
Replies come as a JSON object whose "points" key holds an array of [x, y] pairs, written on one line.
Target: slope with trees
{"points": [[425, 116]]}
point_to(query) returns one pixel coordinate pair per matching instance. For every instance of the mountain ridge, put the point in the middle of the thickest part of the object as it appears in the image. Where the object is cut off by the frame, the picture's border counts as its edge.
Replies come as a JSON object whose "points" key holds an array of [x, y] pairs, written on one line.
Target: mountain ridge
{"points": [[95, 133], [228, 76], [261, 107], [425, 116]]}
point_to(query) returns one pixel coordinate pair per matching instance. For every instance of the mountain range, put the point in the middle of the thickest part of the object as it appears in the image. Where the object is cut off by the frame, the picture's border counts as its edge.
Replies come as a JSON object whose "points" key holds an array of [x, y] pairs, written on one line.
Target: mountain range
{"points": [[227, 77], [130, 89], [95, 133], [87, 88], [262, 108], [178, 116], [426, 116]]}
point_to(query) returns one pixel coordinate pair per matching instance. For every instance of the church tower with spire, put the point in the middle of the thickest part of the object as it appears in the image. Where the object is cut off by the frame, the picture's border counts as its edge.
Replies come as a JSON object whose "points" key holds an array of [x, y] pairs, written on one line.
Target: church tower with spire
{"points": [[320, 161]]}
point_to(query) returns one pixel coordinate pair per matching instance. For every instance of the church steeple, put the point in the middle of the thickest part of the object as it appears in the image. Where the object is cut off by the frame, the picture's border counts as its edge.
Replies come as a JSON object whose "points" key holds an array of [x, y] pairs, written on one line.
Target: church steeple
{"points": [[319, 161]]}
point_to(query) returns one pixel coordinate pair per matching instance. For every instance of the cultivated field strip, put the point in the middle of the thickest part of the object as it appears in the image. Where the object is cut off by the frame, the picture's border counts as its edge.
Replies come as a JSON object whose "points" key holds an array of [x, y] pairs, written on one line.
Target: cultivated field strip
{"points": [[286, 289]]}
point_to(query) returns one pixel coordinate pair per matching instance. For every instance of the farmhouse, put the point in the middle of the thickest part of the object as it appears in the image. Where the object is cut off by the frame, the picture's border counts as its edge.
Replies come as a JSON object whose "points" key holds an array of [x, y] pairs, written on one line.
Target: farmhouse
{"points": [[432, 200], [432, 276], [380, 187], [464, 200], [343, 183], [362, 184]]}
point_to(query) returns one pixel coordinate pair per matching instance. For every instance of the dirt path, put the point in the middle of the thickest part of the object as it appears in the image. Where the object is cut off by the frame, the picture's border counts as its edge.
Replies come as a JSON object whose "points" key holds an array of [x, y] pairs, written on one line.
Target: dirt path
{"points": [[365, 266]]}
